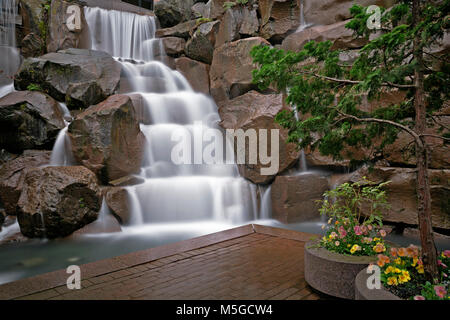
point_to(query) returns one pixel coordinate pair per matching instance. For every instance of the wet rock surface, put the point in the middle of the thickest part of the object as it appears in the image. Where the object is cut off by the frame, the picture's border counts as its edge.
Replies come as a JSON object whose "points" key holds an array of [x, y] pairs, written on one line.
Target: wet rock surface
{"points": [[56, 201]]}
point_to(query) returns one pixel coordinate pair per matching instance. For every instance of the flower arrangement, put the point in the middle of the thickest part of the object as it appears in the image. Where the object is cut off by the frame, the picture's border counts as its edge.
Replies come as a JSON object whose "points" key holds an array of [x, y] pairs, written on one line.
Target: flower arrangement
{"points": [[402, 273], [355, 218]]}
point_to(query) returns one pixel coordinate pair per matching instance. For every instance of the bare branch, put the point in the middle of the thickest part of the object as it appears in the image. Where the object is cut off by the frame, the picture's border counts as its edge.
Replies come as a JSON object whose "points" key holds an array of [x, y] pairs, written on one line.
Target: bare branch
{"points": [[434, 136]]}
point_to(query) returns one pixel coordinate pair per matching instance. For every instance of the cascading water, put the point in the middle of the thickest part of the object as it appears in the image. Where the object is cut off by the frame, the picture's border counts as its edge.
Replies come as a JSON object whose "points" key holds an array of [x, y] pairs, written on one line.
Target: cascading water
{"points": [[303, 25], [171, 193], [10, 61]]}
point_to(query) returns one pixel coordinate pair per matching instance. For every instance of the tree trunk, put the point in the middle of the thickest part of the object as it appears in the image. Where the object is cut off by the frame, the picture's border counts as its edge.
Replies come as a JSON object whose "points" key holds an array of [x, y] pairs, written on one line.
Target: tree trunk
{"points": [[423, 184]]}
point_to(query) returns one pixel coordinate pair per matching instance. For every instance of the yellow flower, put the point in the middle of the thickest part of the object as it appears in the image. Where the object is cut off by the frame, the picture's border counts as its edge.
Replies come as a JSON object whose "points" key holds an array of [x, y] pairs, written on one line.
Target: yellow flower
{"points": [[376, 239], [392, 281], [397, 270], [398, 261], [402, 279], [420, 269], [388, 270], [413, 264], [405, 274], [355, 248]]}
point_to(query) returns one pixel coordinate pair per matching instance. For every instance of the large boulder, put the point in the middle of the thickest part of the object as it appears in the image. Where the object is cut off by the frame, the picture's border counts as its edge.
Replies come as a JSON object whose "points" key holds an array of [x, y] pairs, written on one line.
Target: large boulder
{"points": [[56, 201], [173, 12], [31, 37], [236, 23], [79, 77], [106, 138], [12, 175], [402, 152], [216, 8], [118, 202], [201, 46], [257, 111], [278, 18], [196, 73], [402, 194], [231, 69], [182, 30], [337, 33], [294, 197], [173, 46], [59, 36], [29, 120]]}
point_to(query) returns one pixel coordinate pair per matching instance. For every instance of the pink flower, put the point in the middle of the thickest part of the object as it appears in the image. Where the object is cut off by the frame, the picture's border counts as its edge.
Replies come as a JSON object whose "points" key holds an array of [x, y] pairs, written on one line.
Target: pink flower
{"points": [[383, 233], [358, 230], [369, 227], [441, 264], [342, 232], [364, 229], [419, 298], [447, 253], [440, 291]]}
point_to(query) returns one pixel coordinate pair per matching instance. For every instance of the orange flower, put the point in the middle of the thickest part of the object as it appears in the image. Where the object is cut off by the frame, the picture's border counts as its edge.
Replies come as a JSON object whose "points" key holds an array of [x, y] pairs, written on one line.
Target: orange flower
{"points": [[379, 247], [401, 252], [394, 252], [382, 260], [412, 251]]}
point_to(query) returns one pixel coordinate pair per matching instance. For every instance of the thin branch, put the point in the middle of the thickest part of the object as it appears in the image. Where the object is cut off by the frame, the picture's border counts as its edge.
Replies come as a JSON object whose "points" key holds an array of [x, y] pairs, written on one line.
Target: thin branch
{"points": [[439, 123], [434, 136], [392, 123], [346, 81]]}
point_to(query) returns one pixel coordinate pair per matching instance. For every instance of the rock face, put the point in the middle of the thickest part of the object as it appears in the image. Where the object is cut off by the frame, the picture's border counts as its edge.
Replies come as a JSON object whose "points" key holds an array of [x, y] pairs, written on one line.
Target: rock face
{"points": [[118, 203], [29, 120], [231, 69], [172, 12], [323, 12], [201, 46], [32, 43], [196, 73], [341, 37], [294, 197], [402, 153], [402, 193], [12, 175], [236, 22], [78, 77], [278, 18], [181, 30], [257, 111], [59, 36], [106, 138], [173, 46], [56, 201]]}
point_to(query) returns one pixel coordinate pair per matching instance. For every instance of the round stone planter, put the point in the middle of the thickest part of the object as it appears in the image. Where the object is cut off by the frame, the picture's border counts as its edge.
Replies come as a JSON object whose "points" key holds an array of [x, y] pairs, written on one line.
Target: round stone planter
{"points": [[333, 273], [362, 292]]}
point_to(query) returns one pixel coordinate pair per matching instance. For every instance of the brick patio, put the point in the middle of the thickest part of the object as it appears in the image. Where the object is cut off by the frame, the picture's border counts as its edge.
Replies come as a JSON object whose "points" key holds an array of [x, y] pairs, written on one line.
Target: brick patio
{"points": [[250, 262]]}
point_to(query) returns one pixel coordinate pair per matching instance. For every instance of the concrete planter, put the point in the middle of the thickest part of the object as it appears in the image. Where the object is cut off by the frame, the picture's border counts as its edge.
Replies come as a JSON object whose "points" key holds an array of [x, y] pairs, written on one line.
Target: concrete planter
{"points": [[364, 293], [333, 273]]}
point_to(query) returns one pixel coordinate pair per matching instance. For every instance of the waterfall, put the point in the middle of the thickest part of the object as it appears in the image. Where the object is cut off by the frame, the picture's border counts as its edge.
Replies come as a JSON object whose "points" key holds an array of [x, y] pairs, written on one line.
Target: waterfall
{"points": [[172, 192], [10, 61], [303, 25], [266, 203]]}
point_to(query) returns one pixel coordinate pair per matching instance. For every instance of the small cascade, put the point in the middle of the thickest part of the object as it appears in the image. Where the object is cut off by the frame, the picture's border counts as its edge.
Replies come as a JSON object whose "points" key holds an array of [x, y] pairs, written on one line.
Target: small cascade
{"points": [[303, 24], [10, 61], [266, 203], [302, 162], [172, 192], [62, 150]]}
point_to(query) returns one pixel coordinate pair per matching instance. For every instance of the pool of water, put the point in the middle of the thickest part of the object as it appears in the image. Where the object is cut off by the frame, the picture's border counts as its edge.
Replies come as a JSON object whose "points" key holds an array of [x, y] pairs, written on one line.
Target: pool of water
{"points": [[34, 257]]}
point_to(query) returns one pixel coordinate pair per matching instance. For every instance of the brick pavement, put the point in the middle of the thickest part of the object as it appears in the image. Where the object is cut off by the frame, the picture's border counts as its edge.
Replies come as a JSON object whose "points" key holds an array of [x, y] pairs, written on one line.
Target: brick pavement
{"points": [[257, 265]]}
